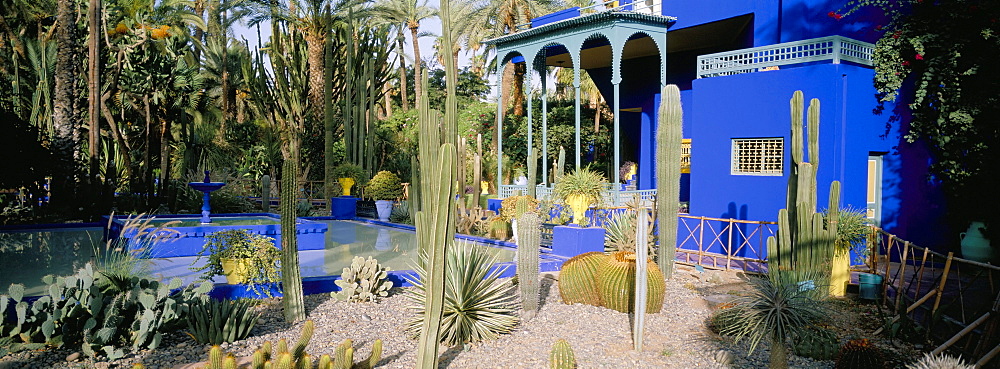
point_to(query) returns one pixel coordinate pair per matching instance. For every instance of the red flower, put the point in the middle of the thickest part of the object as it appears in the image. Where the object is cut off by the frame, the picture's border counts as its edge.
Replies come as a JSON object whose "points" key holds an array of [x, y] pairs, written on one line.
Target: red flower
{"points": [[919, 57], [906, 63], [878, 27], [834, 15]]}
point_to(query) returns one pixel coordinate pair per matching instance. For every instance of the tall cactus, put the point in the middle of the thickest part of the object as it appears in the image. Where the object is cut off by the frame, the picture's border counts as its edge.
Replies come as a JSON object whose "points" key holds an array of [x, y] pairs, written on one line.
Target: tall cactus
{"points": [[532, 171], [265, 193], [560, 165], [641, 278], [803, 242], [291, 280], [668, 175], [528, 244], [461, 147], [477, 170]]}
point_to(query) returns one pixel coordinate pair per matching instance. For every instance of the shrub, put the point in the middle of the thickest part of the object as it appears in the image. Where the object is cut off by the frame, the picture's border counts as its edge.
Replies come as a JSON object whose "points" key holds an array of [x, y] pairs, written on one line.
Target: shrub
{"points": [[477, 305], [257, 252], [584, 182], [514, 206], [384, 186]]}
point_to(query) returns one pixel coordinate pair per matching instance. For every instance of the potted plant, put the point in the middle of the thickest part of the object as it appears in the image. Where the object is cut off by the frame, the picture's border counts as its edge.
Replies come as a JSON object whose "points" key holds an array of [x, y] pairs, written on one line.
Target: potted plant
{"points": [[579, 190], [242, 257], [349, 175], [385, 187]]}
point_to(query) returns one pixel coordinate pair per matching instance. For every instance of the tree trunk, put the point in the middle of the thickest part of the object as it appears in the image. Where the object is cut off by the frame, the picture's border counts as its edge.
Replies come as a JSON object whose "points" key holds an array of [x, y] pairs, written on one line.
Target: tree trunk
{"points": [[403, 87], [315, 41], [65, 117], [779, 355], [417, 73], [520, 69], [165, 136], [94, 87]]}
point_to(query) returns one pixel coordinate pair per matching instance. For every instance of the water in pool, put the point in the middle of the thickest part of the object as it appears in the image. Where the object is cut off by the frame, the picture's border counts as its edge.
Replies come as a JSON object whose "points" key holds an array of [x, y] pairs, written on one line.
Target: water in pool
{"points": [[26, 256], [216, 221]]}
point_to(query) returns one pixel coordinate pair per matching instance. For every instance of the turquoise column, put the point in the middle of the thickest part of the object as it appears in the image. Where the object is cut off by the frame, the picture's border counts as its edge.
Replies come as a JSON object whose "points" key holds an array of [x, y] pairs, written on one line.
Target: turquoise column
{"points": [[499, 124], [545, 126], [529, 76], [576, 86]]}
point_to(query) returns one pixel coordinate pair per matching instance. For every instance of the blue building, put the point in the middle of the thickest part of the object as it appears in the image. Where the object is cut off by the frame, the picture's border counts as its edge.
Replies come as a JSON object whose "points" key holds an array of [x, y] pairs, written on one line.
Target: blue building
{"points": [[737, 64]]}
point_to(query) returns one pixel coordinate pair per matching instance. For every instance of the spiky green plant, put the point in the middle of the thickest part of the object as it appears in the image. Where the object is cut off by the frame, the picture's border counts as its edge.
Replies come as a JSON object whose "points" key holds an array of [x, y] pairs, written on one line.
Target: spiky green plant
{"points": [[860, 354], [775, 309], [529, 228], [478, 306], [853, 229], [578, 279], [124, 258], [216, 321], [941, 361], [616, 283], [620, 232], [668, 175], [584, 182], [365, 280], [265, 193]]}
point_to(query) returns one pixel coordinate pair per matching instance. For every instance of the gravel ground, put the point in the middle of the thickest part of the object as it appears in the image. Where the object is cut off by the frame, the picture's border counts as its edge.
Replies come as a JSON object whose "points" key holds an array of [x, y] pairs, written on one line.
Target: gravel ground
{"points": [[676, 337]]}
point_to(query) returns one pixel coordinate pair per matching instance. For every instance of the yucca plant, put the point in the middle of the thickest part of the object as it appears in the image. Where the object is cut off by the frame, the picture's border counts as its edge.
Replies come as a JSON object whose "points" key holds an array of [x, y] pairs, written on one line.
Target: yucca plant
{"points": [[477, 305], [778, 305], [620, 232], [853, 229], [943, 361]]}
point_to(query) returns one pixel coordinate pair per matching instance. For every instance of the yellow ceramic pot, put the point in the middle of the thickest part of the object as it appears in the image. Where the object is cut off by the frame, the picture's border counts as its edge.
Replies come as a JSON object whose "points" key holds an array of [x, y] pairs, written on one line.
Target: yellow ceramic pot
{"points": [[840, 276], [579, 204], [346, 184], [235, 270]]}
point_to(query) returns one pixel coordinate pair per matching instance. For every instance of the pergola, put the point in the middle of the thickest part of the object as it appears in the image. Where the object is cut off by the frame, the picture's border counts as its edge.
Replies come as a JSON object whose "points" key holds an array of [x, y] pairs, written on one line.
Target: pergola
{"points": [[589, 41]]}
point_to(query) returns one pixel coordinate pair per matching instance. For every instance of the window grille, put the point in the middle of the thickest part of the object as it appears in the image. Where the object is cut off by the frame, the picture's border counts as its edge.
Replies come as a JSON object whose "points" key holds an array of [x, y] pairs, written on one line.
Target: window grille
{"points": [[758, 156]]}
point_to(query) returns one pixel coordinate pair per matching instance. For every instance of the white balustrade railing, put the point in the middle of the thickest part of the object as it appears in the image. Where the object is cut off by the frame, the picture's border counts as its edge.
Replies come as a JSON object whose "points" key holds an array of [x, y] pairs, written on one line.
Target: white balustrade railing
{"points": [[835, 48], [610, 196]]}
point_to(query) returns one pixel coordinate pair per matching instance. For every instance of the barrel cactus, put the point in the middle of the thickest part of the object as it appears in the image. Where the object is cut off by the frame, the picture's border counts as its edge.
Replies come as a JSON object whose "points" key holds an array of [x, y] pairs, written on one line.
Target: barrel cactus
{"points": [[616, 283], [578, 279], [860, 354], [944, 361], [562, 356]]}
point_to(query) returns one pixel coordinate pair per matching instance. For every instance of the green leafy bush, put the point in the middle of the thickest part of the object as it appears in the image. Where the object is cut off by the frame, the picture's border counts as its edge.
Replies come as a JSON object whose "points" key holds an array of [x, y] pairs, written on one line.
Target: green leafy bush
{"points": [[261, 257], [584, 182], [348, 170], [384, 186], [477, 305], [216, 321]]}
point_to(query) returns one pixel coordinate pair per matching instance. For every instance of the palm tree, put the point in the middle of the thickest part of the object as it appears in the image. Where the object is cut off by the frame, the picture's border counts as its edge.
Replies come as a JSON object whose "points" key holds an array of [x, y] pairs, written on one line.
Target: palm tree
{"points": [[65, 115], [588, 91], [410, 14]]}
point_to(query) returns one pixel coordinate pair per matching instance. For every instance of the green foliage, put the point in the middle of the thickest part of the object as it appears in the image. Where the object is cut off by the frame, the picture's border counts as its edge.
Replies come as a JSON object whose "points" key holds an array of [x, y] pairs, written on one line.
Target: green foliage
{"points": [[561, 356], [477, 305], [216, 321], [815, 343], [513, 207], [365, 280], [348, 170], [620, 231], [853, 230], [401, 213], [384, 186], [941, 361], [584, 182], [77, 313], [262, 258], [668, 173], [778, 306], [860, 354], [123, 259]]}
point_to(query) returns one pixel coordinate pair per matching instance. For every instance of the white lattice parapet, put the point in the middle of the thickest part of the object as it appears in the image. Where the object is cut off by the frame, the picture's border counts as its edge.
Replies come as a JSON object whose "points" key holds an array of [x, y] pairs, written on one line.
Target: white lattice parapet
{"points": [[835, 48]]}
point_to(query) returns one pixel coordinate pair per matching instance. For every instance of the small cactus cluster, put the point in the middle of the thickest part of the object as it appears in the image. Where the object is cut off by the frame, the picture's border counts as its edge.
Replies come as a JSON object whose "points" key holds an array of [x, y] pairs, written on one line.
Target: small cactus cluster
{"points": [[816, 343], [944, 361], [280, 356], [562, 356], [364, 280], [599, 279], [860, 354], [514, 206]]}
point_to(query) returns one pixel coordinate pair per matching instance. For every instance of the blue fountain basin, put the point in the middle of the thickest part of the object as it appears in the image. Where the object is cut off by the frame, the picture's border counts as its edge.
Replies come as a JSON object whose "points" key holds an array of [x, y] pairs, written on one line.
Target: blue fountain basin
{"points": [[192, 233], [206, 186]]}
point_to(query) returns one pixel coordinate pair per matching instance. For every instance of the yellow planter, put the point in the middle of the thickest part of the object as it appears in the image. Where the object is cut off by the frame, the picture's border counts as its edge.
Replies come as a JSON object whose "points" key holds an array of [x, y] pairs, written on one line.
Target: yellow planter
{"points": [[579, 204], [346, 184], [235, 270], [840, 276]]}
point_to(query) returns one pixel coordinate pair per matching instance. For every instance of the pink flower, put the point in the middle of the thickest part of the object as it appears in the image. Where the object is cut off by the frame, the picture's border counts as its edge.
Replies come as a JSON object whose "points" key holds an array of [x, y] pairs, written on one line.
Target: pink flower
{"points": [[919, 57]]}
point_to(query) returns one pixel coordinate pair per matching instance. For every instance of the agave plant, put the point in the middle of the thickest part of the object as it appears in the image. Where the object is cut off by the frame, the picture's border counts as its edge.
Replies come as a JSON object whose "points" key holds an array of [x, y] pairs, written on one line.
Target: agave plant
{"points": [[780, 304], [477, 307], [620, 232], [853, 229]]}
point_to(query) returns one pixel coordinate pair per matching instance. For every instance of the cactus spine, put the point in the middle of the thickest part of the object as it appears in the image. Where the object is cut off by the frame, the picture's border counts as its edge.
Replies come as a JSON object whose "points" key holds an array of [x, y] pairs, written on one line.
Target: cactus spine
{"points": [[641, 277], [616, 283], [562, 356], [291, 281], [532, 169], [577, 280], [265, 193], [803, 241], [668, 174], [528, 244]]}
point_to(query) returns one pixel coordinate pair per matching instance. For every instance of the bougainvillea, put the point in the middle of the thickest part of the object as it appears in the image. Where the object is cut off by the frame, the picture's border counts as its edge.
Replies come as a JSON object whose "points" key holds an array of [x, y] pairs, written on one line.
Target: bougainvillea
{"points": [[941, 61]]}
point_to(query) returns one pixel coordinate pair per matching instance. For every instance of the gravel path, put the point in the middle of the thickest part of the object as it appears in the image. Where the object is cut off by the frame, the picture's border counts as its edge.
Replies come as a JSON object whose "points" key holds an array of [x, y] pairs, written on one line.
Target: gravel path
{"points": [[601, 338]]}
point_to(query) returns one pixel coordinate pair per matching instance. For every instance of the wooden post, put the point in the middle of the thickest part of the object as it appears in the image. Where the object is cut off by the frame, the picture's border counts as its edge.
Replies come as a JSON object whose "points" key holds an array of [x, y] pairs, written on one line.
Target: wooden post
{"points": [[960, 334], [729, 244], [888, 263], [944, 280], [902, 275], [920, 273], [701, 240]]}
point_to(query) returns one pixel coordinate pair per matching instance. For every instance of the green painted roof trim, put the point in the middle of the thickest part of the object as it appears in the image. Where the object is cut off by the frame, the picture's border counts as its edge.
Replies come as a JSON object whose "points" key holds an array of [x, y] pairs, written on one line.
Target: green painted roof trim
{"points": [[585, 19]]}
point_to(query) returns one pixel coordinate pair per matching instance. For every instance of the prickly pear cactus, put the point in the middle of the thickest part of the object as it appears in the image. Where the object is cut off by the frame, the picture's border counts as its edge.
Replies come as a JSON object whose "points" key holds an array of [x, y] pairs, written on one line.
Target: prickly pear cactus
{"points": [[562, 356], [365, 280]]}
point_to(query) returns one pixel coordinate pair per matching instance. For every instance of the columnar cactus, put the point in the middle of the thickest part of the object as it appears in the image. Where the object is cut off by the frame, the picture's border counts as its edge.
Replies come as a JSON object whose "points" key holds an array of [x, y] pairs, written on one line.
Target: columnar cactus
{"points": [[532, 171], [265, 193], [477, 170], [803, 241], [616, 283], [562, 356], [291, 280], [560, 165], [578, 279], [528, 244], [668, 174]]}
